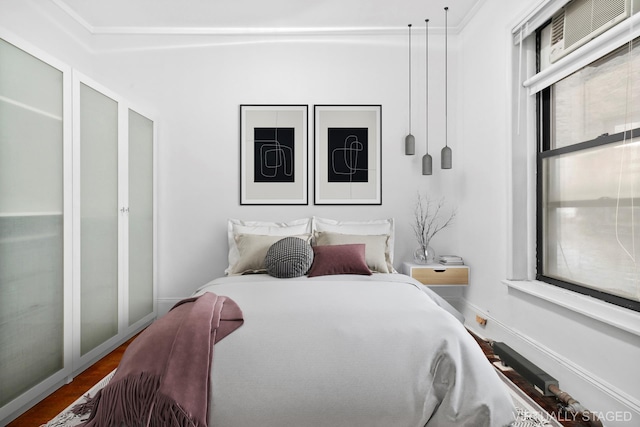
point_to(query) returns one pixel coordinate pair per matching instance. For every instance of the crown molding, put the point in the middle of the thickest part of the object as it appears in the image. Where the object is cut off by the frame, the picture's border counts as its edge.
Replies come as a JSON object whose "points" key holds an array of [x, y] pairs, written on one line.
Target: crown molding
{"points": [[76, 17], [256, 31]]}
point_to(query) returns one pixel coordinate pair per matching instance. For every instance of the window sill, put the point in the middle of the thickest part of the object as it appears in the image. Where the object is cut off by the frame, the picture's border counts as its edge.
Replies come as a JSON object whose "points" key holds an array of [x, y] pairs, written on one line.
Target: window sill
{"points": [[622, 318]]}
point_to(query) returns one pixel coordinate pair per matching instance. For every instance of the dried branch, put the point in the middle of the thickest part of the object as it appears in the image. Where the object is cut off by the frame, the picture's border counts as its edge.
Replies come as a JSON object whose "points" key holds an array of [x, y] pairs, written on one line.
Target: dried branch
{"points": [[428, 220]]}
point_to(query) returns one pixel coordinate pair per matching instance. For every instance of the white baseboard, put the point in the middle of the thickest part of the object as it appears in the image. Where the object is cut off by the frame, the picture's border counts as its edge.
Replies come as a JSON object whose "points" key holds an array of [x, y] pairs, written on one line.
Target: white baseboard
{"points": [[498, 331]]}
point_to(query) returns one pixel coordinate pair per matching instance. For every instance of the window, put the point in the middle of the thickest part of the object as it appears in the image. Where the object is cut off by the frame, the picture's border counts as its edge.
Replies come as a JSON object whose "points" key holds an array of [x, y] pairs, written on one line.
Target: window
{"points": [[588, 179]]}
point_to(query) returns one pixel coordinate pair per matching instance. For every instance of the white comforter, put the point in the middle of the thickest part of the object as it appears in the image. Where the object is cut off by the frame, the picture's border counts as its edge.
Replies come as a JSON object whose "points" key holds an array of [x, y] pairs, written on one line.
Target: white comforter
{"points": [[349, 351]]}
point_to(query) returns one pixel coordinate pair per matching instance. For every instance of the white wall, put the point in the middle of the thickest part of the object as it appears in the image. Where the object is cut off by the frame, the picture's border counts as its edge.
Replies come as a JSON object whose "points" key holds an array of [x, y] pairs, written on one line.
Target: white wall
{"points": [[198, 91], [196, 85], [595, 362]]}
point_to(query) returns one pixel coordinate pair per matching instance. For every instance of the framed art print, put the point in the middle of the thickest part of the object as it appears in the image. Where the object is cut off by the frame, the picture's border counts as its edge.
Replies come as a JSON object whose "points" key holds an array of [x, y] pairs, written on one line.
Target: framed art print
{"points": [[273, 155], [347, 153]]}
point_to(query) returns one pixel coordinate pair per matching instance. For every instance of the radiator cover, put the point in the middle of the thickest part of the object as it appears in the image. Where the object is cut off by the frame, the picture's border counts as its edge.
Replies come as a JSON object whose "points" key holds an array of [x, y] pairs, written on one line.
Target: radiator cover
{"points": [[532, 373]]}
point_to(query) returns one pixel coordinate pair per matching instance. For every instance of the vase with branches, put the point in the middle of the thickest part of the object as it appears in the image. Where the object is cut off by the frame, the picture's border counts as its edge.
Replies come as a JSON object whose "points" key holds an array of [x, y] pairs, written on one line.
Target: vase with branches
{"points": [[428, 221]]}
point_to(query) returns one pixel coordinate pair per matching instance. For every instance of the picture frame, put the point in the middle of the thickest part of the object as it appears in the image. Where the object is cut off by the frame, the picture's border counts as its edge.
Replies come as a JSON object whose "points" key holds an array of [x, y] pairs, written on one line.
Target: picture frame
{"points": [[274, 154], [348, 154]]}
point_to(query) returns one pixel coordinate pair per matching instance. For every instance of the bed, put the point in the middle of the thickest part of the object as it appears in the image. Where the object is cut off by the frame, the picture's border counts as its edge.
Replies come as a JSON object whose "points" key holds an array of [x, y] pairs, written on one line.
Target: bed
{"points": [[328, 334], [349, 350], [323, 348]]}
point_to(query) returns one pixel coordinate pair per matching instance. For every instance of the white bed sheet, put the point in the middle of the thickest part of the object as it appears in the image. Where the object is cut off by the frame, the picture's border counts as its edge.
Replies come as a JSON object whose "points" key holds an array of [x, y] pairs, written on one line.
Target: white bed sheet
{"points": [[350, 351]]}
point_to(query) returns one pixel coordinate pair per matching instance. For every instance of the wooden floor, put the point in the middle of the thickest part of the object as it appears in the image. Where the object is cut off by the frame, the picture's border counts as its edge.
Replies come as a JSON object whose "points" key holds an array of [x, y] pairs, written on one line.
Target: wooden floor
{"points": [[66, 395]]}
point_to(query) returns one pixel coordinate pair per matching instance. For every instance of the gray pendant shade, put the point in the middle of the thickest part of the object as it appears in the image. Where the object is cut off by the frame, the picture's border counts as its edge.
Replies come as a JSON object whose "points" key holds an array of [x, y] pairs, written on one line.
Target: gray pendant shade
{"points": [[445, 158], [427, 161], [409, 140], [427, 164], [445, 154], [409, 145]]}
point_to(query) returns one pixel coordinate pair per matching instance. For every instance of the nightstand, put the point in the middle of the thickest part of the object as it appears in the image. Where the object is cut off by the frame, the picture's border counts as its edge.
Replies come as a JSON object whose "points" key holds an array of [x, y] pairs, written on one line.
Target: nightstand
{"points": [[437, 274]]}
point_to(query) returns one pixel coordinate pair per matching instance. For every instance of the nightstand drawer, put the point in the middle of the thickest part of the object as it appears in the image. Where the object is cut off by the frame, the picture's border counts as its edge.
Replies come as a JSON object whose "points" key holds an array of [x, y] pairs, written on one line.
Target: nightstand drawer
{"points": [[438, 274]]}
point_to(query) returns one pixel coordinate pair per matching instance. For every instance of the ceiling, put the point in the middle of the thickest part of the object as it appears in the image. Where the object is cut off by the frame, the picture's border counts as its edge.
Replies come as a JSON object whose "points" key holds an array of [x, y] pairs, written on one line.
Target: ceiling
{"points": [[256, 16]]}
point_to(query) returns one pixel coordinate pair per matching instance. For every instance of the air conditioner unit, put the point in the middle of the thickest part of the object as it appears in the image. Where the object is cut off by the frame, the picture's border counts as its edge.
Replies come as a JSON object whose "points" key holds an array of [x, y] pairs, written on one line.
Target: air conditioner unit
{"points": [[582, 20]]}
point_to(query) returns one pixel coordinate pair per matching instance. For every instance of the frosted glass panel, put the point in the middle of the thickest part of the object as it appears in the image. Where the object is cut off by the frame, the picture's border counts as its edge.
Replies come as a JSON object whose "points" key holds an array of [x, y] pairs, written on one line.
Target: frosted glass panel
{"points": [[140, 216], [31, 132], [31, 235], [99, 218]]}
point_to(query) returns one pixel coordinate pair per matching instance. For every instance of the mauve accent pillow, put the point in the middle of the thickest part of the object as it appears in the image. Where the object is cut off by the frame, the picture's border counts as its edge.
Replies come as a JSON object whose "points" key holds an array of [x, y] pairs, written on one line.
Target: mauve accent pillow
{"points": [[339, 259], [374, 253]]}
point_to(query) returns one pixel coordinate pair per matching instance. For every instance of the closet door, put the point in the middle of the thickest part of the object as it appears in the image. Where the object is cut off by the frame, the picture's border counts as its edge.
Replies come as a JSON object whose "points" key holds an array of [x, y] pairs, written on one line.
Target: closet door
{"points": [[99, 213], [34, 228], [114, 293], [140, 227]]}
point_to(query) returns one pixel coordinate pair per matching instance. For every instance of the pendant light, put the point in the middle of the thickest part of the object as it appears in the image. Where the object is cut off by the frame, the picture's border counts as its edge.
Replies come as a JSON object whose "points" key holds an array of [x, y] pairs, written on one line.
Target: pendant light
{"points": [[445, 155], [427, 161], [409, 140]]}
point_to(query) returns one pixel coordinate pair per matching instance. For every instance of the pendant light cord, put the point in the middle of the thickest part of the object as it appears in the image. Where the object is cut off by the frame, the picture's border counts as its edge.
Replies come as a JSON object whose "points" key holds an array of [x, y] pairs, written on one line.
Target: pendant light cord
{"points": [[409, 78], [427, 83], [446, 81]]}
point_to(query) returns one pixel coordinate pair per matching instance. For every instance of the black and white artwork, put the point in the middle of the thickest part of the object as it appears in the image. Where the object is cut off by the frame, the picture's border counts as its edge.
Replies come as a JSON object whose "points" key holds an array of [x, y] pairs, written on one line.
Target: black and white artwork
{"points": [[347, 154], [273, 155]]}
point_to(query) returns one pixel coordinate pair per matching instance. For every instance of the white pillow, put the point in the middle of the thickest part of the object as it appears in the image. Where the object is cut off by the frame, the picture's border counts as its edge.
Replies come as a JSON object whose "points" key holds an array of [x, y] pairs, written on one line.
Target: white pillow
{"points": [[265, 228], [373, 227], [253, 250], [375, 247]]}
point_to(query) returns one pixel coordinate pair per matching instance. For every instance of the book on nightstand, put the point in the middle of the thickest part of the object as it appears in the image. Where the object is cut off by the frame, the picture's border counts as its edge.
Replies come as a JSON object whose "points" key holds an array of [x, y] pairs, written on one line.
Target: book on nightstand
{"points": [[450, 260]]}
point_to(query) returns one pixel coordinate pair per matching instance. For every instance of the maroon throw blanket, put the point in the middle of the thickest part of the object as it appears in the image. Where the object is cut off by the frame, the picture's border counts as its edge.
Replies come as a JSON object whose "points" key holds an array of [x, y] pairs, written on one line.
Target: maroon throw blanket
{"points": [[163, 377]]}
